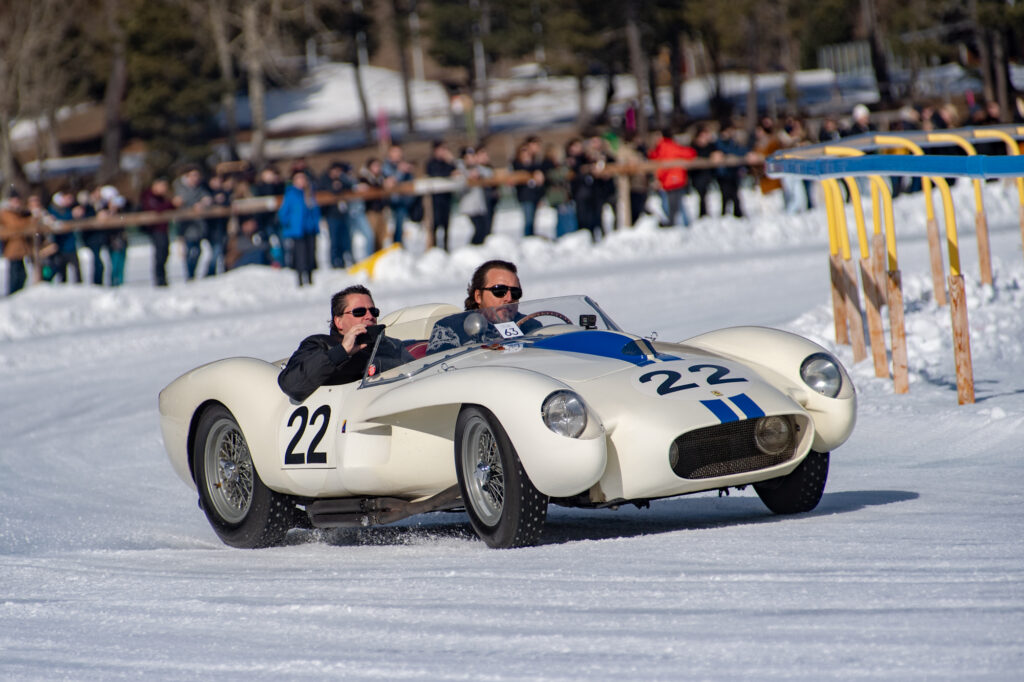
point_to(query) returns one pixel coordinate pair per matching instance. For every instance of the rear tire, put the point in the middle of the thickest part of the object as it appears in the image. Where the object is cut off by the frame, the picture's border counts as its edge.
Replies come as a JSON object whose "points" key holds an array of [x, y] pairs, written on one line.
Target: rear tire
{"points": [[243, 511], [799, 491], [504, 507]]}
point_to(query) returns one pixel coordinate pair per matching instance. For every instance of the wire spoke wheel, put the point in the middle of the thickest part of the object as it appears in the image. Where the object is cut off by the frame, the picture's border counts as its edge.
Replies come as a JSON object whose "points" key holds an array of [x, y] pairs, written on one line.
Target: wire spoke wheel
{"points": [[483, 472], [229, 471], [504, 507], [241, 509]]}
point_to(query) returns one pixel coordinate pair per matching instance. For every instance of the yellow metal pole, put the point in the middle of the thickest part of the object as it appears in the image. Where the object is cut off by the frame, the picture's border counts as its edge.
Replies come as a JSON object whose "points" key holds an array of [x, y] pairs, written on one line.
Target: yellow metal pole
{"points": [[1012, 149], [957, 304], [951, 238], [934, 247], [981, 223], [853, 315], [893, 292], [871, 297], [835, 269]]}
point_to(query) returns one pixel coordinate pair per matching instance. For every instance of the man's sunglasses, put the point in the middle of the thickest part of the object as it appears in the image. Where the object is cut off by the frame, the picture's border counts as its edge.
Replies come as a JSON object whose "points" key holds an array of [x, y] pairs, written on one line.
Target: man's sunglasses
{"points": [[360, 312], [499, 291]]}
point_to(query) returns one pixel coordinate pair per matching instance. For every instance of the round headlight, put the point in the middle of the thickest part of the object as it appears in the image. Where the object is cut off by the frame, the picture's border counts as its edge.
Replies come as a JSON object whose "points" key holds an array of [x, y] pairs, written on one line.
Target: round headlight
{"points": [[773, 435], [564, 413], [822, 374]]}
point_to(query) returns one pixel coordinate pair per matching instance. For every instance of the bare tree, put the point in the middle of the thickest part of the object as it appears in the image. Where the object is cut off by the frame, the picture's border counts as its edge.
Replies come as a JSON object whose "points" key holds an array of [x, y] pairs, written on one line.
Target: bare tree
{"points": [[117, 82], [403, 33], [220, 33], [638, 65], [32, 82]]}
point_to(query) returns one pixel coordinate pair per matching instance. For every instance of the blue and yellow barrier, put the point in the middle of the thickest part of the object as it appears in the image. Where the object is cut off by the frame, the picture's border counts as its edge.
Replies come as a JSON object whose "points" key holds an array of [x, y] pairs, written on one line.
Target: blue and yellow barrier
{"points": [[859, 156]]}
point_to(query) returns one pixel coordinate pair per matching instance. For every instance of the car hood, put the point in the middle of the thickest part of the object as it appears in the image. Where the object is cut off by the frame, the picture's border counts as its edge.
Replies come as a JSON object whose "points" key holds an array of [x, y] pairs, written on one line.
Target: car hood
{"points": [[612, 369], [573, 358]]}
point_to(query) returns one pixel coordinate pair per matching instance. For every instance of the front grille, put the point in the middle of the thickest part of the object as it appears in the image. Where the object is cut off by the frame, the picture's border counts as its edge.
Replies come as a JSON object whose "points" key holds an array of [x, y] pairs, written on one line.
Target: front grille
{"points": [[723, 450]]}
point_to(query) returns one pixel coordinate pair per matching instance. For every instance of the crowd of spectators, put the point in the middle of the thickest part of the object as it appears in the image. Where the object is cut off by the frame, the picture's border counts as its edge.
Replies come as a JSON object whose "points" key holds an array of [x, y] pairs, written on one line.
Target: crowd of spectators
{"points": [[572, 179]]}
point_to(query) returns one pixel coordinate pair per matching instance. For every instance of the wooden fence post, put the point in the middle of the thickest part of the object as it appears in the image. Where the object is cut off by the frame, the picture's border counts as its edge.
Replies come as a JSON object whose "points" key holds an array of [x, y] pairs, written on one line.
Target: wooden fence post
{"points": [[961, 340], [935, 251], [835, 271], [897, 332], [873, 305], [853, 314]]}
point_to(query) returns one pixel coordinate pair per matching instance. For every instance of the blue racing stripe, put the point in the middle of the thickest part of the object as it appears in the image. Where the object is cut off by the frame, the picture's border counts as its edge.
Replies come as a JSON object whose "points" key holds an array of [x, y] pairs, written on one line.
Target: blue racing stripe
{"points": [[720, 410], [746, 405], [600, 343]]}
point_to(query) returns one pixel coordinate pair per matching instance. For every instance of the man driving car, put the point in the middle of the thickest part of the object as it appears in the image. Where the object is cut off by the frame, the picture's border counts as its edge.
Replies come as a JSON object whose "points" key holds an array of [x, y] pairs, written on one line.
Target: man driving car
{"points": [[491, 310]]}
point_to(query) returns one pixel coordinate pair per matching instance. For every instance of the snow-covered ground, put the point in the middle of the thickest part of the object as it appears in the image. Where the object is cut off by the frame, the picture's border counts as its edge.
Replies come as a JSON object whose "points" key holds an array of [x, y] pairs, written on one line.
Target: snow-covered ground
{"points": [[912, 566]]}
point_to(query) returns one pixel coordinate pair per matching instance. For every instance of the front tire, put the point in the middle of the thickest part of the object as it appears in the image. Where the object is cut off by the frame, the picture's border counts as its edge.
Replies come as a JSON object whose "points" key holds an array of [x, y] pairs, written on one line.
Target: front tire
{"points": [[243, 511], [504, 507], [801, 490]]}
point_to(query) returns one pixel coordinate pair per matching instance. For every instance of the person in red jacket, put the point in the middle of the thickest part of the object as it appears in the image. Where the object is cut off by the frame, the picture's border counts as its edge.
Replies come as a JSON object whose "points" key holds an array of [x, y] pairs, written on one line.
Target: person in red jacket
{"points": [[673, 180]]}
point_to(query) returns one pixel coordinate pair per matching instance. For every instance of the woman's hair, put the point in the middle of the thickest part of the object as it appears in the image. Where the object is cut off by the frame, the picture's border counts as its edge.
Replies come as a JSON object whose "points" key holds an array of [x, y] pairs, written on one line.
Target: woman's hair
{"points": [[340, 299], [480, 276]]}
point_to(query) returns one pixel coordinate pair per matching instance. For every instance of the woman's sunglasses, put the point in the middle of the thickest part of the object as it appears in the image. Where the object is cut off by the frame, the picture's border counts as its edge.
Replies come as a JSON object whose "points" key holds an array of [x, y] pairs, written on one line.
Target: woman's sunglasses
{"points": [[359, 312], [499, 291]]}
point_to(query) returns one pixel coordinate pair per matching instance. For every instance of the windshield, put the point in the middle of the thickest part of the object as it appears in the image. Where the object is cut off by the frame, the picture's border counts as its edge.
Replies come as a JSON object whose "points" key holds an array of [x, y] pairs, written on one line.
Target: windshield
{"points": [[413, 344]]}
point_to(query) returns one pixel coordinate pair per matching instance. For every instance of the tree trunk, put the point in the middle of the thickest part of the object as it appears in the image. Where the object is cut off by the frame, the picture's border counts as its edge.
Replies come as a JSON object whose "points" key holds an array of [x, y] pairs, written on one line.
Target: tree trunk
{"points": [[1001, 73], [219, 33], [678, 82], [790, 56], [360, 58], [52, 133], [755, 60], [984, 56], [638, 66], [652, 85], [257, 89], [481, 97], [110, 165], [10, 169], [401, 40], [879, 61], [581, 100]]}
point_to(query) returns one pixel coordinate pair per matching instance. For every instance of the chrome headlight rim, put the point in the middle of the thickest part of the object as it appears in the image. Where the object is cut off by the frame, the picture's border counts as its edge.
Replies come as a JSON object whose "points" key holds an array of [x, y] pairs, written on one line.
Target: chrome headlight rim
{"points": [[565, 413], [822, 374], [772, 440]]}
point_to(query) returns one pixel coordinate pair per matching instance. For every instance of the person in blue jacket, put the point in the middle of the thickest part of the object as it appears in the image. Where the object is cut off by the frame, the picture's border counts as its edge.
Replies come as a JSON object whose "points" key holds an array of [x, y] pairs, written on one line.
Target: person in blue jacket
{"points": [[299, 216]]}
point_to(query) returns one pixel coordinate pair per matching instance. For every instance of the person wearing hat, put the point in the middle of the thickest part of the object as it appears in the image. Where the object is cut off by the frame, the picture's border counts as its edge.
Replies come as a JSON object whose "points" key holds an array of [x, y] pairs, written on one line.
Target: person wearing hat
{"points": [[441, 165], [62, 207], [473, 202], [338, 180]]}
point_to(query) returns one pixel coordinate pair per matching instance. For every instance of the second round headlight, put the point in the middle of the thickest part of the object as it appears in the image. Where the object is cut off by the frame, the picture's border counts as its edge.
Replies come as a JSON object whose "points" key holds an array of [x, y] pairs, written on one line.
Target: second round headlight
{"points": [[564, 413], [821, 372]]}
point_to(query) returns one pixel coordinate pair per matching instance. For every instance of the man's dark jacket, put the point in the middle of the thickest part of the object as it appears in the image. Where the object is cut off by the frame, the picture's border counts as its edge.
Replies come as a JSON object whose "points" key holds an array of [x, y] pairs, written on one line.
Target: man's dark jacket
{"points": [[321, 360]]}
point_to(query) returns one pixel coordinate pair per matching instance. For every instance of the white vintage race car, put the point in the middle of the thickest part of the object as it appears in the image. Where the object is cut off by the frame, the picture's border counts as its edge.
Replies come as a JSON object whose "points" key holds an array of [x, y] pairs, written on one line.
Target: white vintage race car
{"points": [[539, 402]]}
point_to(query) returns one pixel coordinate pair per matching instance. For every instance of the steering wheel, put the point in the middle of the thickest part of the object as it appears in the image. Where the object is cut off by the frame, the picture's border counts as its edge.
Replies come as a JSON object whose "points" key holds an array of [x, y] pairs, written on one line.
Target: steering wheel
{"points": [[526, 318]]}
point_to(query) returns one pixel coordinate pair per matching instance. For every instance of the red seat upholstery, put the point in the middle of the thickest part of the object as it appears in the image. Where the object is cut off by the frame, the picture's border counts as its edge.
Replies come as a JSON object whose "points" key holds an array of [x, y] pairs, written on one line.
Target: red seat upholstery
{"points": [[417, 349]]}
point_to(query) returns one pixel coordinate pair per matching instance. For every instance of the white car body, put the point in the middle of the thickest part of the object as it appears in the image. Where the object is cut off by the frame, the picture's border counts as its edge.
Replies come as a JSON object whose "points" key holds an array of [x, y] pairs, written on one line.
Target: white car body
{"points": [[393, 434]]}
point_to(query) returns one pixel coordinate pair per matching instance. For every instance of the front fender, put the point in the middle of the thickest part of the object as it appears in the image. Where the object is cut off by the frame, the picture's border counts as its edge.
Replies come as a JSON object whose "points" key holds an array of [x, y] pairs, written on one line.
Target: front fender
{"points": [[558, 466]]}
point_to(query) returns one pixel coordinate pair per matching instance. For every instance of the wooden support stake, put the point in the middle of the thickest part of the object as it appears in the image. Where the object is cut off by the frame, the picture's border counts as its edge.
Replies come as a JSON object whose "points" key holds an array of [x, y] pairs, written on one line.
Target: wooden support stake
{"points": [[935, 249], [878, 262], [873, 305], [984, 250], [623, 207], [835, 270], [961, 340], [897, 332], [853, 314]]}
